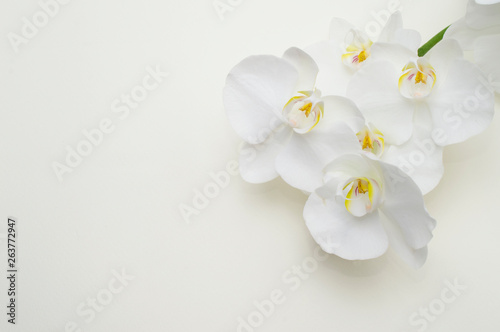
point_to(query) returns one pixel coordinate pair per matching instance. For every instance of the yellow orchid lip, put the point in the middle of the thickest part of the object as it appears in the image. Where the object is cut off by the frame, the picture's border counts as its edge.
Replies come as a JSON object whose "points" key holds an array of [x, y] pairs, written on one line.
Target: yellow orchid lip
{"points": [[362, 196], [371, 140], [357, 50], [303, 112], [418, 79]]}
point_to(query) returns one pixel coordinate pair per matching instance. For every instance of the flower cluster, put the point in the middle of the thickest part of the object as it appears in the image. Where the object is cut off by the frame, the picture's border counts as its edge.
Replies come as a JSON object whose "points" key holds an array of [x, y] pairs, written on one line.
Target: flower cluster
{"points": [[360, 125]]}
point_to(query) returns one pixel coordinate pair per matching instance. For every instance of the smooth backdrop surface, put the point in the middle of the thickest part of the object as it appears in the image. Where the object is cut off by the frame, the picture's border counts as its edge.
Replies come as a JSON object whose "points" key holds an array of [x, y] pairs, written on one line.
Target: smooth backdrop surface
{"points": [[117, 212]]}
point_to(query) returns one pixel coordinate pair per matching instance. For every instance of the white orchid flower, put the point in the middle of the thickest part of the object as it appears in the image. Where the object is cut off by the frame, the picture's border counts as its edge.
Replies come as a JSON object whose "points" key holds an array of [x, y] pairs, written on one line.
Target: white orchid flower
{"points": [[349, 49], [365, 206], [479, 31], [419, 158], [290, 129], [422, 104]]}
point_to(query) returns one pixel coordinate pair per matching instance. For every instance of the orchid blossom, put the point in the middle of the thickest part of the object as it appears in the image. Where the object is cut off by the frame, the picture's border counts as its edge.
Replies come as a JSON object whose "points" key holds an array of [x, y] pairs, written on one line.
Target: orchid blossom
{"points": [[349, 49], [366, 205], [422, 104], [290, 129]]}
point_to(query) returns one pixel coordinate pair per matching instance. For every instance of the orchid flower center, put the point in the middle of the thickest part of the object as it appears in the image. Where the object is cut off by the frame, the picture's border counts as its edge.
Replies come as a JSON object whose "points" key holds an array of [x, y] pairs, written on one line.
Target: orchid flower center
{"points": [[417, 80], [371, 140], [362, 196], [304, 111], [357, 50]]}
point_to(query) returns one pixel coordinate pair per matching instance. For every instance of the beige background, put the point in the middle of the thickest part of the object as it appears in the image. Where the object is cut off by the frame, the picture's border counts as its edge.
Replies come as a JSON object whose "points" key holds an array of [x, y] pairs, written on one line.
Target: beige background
{"points": [[119, 209]]}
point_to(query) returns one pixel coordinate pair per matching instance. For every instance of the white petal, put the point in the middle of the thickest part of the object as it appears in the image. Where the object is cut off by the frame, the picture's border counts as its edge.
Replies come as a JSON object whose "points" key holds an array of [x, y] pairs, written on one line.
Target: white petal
{"points": [[486, 50], [398, 55], [354, 166], [305, 66], [342, 109], [375, 90], [404, 205], [302, 161], [393, 32], [257, 162], [339, 29], [410, 39], [340, 233], [394, 23], [462, 33], [333, 76], [442, 56], [461, 106], [256, 90], [412, 257], [483, 14], [466, 34], [421, 158]]}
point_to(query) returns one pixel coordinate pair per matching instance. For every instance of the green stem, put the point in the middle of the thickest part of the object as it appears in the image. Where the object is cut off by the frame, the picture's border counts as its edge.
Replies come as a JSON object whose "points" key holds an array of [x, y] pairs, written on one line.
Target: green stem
{"points": [[432, 42]]}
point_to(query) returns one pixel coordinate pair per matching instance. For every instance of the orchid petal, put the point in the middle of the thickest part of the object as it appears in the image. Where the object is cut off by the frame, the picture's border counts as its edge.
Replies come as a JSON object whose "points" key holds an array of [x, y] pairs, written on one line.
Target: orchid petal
{"points": [[375, 90], [412, 257], [305, 66], [482, 14], [398, 55], [256, 90], [339, 29], [301, 162], [340, 233], [442, 56], [462, 105], [342, 109], [393, 32], [404, 205], [486, 50], [257, 162], [333, 76], [421, 158]]}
